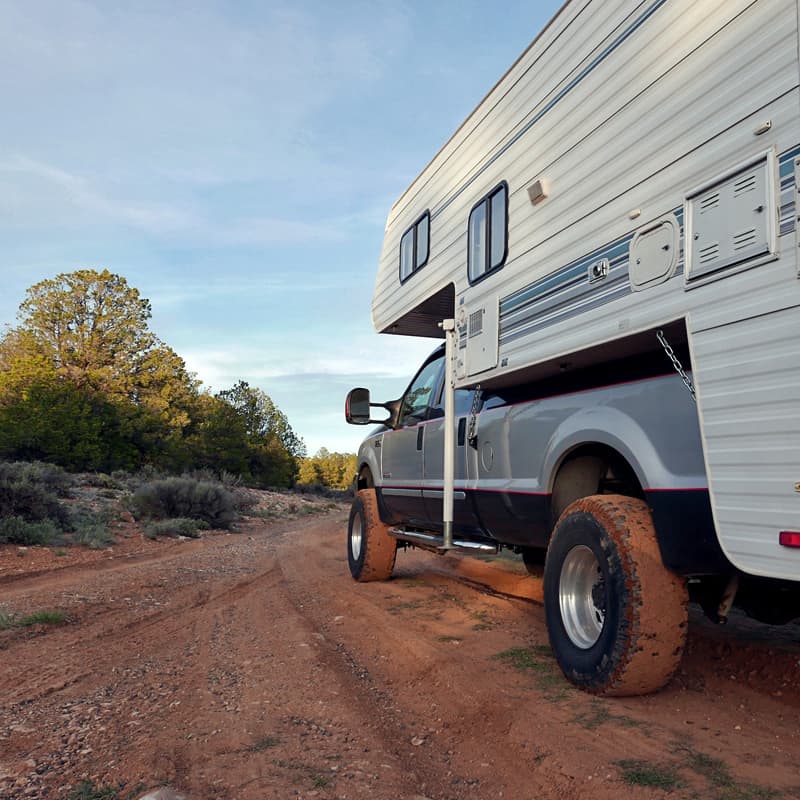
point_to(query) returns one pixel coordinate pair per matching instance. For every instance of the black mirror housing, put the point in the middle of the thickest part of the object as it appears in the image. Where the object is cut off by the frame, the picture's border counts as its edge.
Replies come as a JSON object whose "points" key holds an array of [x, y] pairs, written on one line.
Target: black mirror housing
{"points": [[356, 407]]}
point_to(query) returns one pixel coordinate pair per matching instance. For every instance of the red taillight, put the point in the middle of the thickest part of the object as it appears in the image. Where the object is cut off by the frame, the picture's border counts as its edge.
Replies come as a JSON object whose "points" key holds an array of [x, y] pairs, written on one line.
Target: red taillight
{"points": [[789, 538]]}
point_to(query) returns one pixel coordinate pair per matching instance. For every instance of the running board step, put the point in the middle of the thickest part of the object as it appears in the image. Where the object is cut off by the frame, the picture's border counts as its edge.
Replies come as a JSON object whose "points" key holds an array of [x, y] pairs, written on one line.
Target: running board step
{"points": [[433, 541]]}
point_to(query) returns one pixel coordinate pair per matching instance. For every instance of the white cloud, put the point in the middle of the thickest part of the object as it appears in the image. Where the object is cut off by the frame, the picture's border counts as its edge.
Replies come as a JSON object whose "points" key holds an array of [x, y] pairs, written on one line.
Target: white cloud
{"points": [[35, 189], [375, 358], [46, 190]]}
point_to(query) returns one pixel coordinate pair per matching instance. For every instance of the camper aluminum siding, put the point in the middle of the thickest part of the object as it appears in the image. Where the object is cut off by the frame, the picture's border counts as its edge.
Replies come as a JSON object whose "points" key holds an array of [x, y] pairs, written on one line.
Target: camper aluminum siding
{"points": [[653, 125]]}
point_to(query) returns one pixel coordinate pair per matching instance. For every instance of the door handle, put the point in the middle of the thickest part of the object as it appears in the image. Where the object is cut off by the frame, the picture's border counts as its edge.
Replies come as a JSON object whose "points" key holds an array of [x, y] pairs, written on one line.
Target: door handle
{"points": [[420, 434], [462, 431]]}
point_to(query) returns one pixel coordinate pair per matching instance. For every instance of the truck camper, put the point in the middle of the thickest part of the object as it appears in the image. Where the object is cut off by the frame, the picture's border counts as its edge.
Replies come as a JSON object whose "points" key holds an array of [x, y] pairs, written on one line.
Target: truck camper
{"points": [[608, 246]]}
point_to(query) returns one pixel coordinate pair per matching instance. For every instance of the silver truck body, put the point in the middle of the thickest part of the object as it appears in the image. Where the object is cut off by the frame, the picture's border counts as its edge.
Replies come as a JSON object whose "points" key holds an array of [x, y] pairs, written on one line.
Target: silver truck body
{"points": [[504, 486]]}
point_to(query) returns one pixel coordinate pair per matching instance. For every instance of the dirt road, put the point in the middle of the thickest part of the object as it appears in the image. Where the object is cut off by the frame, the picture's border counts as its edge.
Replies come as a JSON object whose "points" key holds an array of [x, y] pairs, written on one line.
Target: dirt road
{"points": [[249, 666]]}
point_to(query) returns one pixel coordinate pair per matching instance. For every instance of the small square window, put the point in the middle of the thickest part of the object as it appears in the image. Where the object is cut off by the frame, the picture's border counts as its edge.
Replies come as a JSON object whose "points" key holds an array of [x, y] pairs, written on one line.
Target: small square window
{"points": [[415, 247], [488, 234]]}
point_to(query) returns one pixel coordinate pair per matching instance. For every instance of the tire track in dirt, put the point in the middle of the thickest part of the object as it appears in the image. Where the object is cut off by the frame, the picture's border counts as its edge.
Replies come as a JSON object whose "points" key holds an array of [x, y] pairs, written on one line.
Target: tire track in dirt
{"points": [[536, 711], [253, 667]]}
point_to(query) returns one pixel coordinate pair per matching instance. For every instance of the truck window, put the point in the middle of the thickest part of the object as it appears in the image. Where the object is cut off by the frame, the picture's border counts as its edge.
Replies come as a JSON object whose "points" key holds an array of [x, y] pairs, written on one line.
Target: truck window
{"points": [[463, 404], [420, 394]]}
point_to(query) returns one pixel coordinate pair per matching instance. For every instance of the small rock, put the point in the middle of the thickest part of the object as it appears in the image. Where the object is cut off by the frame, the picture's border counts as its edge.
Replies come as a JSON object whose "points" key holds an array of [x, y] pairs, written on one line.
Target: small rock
{"points": [[417, 741], [163, 794]]}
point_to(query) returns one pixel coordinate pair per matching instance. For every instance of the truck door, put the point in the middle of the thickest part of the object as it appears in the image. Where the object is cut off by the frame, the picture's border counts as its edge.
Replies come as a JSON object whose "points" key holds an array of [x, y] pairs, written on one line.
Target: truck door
{"points": [[402, 449], [464, 517]]}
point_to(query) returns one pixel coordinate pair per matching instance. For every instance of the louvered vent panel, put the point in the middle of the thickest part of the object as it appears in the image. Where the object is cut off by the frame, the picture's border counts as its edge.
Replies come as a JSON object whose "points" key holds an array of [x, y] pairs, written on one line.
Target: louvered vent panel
{"points": [[744, 239], [483, 328], [709, 202], [710, 253], [476, 323], [746, 184], [729, 221]]}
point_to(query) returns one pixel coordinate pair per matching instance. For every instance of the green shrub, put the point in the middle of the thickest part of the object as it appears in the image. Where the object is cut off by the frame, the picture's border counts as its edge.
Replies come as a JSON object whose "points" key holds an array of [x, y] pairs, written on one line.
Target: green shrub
{"points": [[244, 501], [45, 617], [201, 474], [90, 528], [31, 494], [100, 480], [120, 477], [54, 479], [16, 530], [318, 489], [321, 490], [95, 537], [179, 526], [86, 790], [134, 480], [185, 497]]}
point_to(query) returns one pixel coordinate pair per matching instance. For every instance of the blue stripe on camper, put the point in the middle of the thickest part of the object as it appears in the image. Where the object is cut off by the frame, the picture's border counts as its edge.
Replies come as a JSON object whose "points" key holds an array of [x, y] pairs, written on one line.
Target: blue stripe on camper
{"points": [[786, 162], [787, 191], [554, 101], [567, 292]]}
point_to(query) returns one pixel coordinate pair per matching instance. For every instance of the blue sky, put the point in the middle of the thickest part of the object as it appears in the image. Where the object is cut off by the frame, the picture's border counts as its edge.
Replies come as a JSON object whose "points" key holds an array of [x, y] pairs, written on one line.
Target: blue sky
{"points": [[236, 161]]}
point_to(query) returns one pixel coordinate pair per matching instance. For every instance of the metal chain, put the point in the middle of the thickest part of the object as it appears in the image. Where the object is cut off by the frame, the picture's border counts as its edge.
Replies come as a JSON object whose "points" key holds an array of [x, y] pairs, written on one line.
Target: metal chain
{"points": [[472, 425], [676, 363]]}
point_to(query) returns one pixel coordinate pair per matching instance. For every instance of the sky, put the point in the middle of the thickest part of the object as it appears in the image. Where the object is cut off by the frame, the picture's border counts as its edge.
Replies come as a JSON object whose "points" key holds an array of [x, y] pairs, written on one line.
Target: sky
{"points": [[235, 162]]}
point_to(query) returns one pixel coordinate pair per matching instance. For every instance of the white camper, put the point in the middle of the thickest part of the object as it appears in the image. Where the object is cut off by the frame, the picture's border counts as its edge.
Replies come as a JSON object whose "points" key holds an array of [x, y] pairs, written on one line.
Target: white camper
{"points": [[637, 167]]}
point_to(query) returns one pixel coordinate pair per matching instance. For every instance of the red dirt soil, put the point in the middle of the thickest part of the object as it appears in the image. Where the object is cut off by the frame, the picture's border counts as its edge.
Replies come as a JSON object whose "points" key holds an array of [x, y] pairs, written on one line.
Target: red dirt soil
{"points": [[248, 666]]}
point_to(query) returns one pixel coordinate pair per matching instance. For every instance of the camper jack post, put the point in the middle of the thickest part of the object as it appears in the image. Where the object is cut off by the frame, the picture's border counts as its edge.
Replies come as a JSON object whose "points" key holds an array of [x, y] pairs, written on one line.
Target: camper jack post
{"points": [[449, 328]]}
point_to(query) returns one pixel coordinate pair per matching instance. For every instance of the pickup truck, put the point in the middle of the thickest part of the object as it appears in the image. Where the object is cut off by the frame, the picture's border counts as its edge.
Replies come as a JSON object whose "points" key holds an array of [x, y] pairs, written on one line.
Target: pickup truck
{"points": [[596, 474]]}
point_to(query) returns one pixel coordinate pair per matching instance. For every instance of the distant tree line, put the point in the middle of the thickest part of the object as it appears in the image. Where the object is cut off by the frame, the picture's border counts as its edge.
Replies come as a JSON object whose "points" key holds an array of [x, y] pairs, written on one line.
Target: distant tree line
{"points": [[336, 470], [85, 384]]}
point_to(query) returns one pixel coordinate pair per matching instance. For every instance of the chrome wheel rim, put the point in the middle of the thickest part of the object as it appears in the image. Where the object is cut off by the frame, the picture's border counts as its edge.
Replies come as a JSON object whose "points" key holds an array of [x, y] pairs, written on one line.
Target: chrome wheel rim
{"points": [[356, 537], [581, 597]]}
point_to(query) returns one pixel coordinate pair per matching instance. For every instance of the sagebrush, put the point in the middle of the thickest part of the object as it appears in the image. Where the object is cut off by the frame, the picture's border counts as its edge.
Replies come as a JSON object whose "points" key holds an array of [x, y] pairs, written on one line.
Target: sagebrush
{"points": [[179, 526], [16, 530], [173, 498], [30, 509]]}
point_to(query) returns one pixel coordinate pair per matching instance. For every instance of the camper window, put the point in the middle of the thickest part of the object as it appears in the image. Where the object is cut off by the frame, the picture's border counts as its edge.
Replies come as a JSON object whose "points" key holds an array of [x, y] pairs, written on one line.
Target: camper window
{"points": [[414, 247], [488, 234]]}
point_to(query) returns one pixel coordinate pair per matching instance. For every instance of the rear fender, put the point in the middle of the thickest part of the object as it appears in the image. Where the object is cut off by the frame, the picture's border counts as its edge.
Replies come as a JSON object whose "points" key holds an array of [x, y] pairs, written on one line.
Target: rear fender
{"points": [[615, 429]]}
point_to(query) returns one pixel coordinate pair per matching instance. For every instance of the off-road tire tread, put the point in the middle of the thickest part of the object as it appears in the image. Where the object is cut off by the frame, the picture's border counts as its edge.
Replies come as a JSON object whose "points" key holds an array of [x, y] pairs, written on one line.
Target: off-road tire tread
{"points": [[380, 549], [656, 614]]}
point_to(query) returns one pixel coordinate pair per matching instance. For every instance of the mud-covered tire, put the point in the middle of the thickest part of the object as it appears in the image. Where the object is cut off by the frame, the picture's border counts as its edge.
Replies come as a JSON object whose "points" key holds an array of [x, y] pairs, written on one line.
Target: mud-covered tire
{"points": [[616, 616], [370, 549]]}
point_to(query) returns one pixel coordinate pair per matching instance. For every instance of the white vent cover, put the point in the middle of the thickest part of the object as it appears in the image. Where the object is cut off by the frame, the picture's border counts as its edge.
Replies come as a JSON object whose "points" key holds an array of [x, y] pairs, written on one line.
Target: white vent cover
{"points": [[482, 337], [731, 220], [654, 253]]}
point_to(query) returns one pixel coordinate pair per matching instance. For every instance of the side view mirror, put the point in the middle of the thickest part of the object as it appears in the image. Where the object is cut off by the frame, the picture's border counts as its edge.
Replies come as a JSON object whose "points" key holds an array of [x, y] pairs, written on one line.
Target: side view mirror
{"points": [[357, 408]]}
